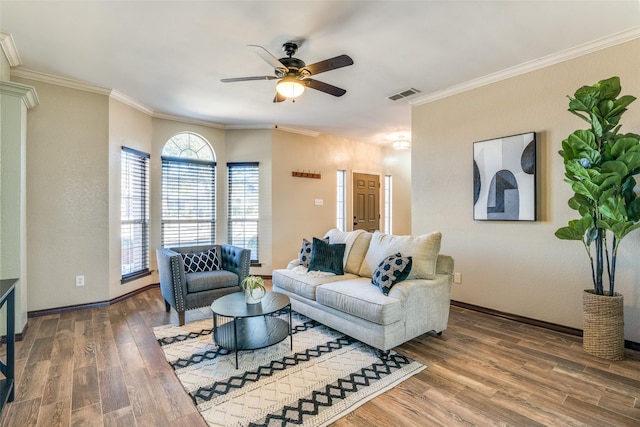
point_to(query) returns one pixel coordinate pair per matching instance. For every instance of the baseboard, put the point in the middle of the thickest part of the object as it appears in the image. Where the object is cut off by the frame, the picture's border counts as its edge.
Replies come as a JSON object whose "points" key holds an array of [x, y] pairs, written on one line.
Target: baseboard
{"points": [[87, 306], [534, 322], [19, 336]]}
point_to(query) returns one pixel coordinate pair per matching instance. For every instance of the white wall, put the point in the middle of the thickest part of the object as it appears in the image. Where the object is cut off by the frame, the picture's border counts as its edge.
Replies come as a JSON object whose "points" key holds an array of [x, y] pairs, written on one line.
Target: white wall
{"points": [[519, 267]]}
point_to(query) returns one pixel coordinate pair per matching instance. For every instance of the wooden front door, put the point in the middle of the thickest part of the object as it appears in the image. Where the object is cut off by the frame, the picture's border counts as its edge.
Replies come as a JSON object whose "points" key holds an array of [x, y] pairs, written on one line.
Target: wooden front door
{"points": [[366, 202]]}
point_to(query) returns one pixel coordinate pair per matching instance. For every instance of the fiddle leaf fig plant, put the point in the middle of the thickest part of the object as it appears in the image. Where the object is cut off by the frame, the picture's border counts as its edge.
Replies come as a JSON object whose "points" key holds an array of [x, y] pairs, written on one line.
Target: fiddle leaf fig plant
{"points": [[600, 166]]}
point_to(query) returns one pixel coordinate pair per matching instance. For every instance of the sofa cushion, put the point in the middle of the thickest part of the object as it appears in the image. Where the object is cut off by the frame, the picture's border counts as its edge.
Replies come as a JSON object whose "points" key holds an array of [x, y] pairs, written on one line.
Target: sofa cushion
{"points": [[327, 257], [201, 261], [306, 250], [394, 269], [358, 298], [208, 280], [304, 285], [422, 249]]}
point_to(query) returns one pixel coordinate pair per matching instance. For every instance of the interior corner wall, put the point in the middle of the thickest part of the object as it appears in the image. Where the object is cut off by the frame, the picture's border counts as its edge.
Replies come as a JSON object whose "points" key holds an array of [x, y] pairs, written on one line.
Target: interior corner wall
{"points": [[520, 267], [295, 212], [130, 128], [397, 163], [255, 146], [67, 197]]}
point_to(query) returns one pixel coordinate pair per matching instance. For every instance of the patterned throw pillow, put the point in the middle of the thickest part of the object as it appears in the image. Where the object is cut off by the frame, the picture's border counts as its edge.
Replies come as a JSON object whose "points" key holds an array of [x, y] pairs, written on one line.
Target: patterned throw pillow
{"points": [[201, 261], [305, 251], [393, 269], [326, 257]]}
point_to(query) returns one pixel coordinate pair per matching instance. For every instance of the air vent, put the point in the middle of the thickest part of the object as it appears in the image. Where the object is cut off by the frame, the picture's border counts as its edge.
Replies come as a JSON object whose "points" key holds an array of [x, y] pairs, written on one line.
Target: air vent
{"points": [[403, 94]]}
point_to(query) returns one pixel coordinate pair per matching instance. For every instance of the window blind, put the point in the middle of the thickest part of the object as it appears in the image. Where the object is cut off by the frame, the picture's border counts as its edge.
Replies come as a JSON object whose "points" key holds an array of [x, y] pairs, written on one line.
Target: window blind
{"points": [[244, 206], [134, 213], [188, 202]]}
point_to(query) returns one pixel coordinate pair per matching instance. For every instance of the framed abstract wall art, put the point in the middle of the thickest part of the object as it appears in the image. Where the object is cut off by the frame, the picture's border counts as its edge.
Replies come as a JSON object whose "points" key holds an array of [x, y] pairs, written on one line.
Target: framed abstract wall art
{"points": [[504, 178]]}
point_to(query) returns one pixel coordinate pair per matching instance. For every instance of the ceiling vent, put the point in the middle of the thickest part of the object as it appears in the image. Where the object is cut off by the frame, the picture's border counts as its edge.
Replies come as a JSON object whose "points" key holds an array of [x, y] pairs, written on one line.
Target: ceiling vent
{"points": [[403, 94]]}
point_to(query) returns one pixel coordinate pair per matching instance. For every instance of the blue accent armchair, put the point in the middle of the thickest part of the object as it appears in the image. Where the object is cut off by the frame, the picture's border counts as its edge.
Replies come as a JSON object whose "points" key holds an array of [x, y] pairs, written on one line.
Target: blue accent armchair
{"points": [[186, 291]]}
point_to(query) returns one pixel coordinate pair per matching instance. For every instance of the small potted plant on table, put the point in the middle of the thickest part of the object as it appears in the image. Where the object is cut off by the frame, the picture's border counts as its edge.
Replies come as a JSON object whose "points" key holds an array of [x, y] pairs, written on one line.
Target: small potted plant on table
{"points": [[254, 289]]}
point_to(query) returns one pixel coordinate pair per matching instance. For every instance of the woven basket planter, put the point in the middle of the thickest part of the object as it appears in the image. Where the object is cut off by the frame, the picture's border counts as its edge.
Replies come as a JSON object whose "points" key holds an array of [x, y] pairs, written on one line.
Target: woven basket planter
{"points": [[603, 325]]}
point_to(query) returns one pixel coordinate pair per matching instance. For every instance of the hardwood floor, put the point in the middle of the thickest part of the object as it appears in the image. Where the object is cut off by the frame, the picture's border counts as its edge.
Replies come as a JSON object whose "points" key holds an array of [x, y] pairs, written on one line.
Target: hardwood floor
{"points": [[103, 367]]}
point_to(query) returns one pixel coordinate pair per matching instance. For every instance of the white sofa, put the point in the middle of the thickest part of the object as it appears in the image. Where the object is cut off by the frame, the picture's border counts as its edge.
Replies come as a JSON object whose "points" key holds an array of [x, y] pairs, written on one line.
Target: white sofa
{"points": [[351, 304]]}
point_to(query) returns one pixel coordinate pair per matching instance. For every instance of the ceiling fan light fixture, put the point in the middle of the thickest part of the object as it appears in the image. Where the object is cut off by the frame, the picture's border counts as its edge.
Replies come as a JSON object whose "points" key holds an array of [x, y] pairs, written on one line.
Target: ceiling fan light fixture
{"points": [[290, 87], [401, 144]]}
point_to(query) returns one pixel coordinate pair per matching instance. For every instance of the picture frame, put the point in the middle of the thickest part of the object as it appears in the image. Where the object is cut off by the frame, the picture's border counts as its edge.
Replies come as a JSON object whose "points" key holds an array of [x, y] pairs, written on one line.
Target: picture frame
{"points": [[504, 178]]}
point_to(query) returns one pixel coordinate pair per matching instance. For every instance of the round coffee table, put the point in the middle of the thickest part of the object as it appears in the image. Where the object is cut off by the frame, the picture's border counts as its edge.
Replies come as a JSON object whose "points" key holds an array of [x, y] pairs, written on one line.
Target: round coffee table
{"points": [[252, 326]]}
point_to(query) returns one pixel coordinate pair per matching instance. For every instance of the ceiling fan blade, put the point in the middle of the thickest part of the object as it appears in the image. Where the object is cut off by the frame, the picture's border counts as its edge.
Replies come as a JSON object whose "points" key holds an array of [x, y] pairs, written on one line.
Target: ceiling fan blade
{"points": [[268, 57], [330, 64], [279, 98], [324, 87], [245, 79]]}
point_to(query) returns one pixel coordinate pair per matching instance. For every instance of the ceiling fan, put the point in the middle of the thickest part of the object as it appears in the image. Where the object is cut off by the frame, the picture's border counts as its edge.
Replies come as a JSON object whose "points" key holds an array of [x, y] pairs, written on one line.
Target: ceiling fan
{"points": [[294, 75]]}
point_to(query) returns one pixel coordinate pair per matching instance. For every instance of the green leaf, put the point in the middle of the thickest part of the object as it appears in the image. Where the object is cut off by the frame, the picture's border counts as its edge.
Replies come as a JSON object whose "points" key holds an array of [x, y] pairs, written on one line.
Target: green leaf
{"points": [[615, 167], [633, 210], [587, 189], [609, 88], [568, 233], [623, 145], [596, 125]]}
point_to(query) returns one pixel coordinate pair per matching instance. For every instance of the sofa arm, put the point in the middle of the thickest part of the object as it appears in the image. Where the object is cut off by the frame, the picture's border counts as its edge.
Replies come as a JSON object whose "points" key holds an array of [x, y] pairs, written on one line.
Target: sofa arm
{"points": [[444, 264], [236, 260], [173, 284]]}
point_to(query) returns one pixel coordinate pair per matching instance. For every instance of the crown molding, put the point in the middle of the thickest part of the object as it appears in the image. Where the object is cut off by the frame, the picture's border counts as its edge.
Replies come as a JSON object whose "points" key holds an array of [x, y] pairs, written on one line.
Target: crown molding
{"points": [[59, 81], [10, 49], [306, 132], [173, 117], [536, 64], [27, 93], [127, 100]]}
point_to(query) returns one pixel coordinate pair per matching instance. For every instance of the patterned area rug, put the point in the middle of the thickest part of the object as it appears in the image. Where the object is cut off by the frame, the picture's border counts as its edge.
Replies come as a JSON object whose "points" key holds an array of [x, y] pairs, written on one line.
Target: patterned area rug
{"points": [[326, 376]]}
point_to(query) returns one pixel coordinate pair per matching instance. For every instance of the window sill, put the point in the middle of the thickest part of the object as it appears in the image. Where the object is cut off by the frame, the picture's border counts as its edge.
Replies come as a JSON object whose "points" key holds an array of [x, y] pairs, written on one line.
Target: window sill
{"points": [[134, 276]]}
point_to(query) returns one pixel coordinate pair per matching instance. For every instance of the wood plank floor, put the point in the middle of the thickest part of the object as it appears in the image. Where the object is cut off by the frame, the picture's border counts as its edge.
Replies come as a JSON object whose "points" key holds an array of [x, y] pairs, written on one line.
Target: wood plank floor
{"points": [[102, 367]]}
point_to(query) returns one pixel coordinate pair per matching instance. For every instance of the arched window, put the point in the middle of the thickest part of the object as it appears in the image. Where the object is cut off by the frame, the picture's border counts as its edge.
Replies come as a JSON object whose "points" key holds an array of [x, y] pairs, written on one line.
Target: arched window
{"points": [[188, 191]]}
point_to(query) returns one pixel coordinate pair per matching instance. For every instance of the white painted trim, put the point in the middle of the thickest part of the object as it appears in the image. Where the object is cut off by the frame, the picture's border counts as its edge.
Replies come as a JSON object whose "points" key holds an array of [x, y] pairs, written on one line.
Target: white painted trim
{"points": [[298, 131], [527, 67], [10, 50], [27, 93], [127, 100], [165, 116], [59, 81]]}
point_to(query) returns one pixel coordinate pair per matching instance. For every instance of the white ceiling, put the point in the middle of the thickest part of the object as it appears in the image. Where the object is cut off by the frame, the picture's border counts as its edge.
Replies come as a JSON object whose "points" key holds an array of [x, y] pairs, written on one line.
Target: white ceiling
{"points": [[171, 55]]}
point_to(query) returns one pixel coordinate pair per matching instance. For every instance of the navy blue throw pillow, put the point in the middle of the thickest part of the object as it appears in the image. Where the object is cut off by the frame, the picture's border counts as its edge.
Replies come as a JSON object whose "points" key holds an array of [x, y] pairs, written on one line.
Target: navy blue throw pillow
{"points": [[393, 269], [201, 261], [305, 251], [326, 257]]}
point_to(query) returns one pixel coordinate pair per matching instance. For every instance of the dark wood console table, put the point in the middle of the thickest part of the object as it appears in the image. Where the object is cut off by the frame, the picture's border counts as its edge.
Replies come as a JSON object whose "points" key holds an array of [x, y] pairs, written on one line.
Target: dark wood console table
{"points": [[7, 295]]}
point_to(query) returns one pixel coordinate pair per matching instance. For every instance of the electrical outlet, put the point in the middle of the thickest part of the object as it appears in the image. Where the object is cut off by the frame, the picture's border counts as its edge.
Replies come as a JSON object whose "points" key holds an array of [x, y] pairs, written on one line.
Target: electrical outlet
{"points": [[457, 277], [79, 280]]}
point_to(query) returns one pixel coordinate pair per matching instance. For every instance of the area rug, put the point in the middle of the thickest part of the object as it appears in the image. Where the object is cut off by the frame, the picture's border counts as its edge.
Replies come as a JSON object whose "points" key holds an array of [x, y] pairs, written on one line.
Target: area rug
{"points": [[325, 376]]}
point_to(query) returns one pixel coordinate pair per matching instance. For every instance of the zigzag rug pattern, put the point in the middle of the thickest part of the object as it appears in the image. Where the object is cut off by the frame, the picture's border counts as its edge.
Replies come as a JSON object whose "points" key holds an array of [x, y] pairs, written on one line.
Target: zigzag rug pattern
{"points": [[324, 377]]}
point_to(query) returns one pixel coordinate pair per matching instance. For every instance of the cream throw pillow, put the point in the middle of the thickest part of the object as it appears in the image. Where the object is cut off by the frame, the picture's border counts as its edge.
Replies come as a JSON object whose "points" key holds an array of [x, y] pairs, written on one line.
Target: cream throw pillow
{"points": [[356, 247], [423, 250]]}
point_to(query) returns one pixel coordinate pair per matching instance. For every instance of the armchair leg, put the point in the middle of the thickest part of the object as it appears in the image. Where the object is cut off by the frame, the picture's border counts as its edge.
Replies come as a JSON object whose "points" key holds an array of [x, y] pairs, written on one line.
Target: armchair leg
{"points": [[181, 318], [167, 306]]}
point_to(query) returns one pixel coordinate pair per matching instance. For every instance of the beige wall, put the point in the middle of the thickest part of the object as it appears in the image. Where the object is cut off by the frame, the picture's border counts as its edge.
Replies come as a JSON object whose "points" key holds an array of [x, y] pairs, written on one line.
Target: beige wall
{"points": [[73, 189], [130, 128], [67, 197], [519, 267], [296, 216], [255, 146]]}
